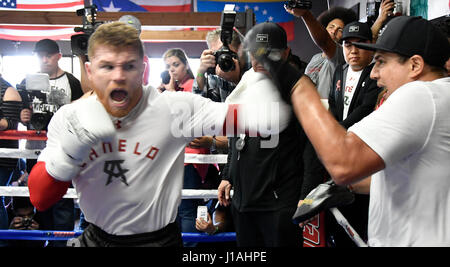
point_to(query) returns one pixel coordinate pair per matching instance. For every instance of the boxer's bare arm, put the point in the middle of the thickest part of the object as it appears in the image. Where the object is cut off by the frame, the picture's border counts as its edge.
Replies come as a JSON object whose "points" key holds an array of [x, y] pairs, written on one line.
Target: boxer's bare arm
{"points": [[346, 157]]}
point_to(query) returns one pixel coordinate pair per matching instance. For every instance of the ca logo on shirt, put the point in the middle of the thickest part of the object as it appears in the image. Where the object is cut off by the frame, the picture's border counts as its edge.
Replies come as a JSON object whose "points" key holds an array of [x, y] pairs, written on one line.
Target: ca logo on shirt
{"points": [[114, 170]]}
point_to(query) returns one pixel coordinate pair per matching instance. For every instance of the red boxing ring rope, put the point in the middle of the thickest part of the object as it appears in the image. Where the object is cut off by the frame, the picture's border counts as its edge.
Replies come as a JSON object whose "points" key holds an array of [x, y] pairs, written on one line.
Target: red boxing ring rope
{"points": [[29, 135]]}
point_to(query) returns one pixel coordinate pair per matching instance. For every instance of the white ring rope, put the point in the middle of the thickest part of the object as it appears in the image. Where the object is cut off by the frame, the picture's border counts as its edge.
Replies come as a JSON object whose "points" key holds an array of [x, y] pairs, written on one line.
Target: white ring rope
{"points": [[188, 157], [348, 228], [22, 191]]}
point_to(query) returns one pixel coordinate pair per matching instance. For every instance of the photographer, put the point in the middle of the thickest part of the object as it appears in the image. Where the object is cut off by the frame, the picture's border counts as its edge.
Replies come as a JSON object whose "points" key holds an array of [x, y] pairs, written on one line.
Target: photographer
{"points": [[64, 88], [10, 104], [24, 218], [218, 84]]}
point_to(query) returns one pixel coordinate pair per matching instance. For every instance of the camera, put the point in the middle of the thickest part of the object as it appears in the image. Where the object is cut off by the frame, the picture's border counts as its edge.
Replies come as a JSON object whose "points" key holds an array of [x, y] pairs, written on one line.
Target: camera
{"points": [[79, 42], [165, 77], [303, 4], [44, 102], [224, 56], [26, 222]]}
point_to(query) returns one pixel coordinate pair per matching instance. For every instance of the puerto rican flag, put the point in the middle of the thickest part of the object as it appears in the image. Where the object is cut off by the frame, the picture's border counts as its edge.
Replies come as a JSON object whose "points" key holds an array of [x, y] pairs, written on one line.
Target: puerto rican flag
{"points": [[265, 10], [38, 32], [143, 5]]}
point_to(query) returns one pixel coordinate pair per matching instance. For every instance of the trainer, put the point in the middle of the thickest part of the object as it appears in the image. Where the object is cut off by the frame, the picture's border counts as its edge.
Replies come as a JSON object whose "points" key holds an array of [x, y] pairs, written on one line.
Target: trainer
{"points": [[404, 144]]}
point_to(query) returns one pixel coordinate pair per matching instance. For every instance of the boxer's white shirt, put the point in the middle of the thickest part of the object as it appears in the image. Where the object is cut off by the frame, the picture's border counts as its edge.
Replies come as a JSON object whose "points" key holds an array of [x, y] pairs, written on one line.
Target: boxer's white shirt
{"points": [[410, 198], [149, 156]]}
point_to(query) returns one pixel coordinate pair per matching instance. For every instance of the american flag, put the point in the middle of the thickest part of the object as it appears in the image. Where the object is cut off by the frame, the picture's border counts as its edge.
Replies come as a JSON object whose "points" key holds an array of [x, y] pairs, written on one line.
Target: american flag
{"points": [[35, 33], [265, 10], [32, 32], [52, 5]]}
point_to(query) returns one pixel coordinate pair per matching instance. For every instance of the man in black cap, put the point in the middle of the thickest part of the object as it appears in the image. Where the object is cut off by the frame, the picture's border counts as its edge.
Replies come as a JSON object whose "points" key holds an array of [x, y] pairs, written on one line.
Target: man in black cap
{"points": [[266, 180], [64, 88], [353, 96], [404, 144], [63, 85]]}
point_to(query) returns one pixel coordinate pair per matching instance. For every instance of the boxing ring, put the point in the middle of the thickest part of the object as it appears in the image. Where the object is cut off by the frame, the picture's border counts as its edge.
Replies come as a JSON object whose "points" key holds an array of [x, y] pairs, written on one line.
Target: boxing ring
{"points": [[22, 191]]}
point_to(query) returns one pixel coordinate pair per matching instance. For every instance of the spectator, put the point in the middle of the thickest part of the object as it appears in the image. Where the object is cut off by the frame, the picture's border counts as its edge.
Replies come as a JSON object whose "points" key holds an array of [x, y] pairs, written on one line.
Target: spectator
{"points": [[181, 76], [403, 145], [217, 84], [64, 88], [352, 97], [326, 32], [181, 79], [266, 179], [24, 218], [219, 221], [211, 80], [9, 116], [126, 161]]}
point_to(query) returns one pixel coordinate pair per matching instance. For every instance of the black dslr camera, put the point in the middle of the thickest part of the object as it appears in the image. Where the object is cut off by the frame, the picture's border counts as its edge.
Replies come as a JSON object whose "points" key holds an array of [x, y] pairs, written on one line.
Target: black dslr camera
{"points": [[224, 56], [27, 222], [79, 42], [303, 4], [37, 95]]}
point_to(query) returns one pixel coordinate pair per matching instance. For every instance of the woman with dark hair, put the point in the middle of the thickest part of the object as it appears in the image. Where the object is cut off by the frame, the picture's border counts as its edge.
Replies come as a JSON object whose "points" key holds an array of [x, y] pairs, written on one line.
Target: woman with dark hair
{"points": [[177, 67], [181, 79]]}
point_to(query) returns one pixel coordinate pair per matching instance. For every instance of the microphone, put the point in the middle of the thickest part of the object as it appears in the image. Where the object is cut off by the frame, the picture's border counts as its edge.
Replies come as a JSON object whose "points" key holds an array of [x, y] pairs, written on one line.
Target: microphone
{"points": [[165, 77]]}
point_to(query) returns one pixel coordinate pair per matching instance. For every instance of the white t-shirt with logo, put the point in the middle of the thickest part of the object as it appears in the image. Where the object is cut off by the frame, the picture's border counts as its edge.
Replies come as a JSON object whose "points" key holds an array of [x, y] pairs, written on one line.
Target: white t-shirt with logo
{"points": [[60, 94], [133, 184], [350, 86]]}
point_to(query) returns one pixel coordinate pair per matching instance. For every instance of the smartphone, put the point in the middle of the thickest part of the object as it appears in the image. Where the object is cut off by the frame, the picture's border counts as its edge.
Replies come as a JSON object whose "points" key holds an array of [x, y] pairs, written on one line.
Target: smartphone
{"points": [[202, 212]]}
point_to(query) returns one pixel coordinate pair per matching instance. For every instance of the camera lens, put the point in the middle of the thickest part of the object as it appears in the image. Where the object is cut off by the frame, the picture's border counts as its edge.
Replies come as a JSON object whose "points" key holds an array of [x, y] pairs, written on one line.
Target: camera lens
{"points": [[40, 121], [225, 62]]}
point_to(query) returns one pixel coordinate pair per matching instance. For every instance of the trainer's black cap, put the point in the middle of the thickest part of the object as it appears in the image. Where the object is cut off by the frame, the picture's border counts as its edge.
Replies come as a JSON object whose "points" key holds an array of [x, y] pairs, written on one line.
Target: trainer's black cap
{"points": [[357, 29], [267, 36], [408, 36], [46, 45]]}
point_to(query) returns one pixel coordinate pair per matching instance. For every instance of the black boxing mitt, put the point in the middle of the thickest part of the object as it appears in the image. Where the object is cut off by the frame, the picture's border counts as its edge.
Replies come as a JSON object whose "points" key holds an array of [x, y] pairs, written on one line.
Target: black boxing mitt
{"points": [[324, 196]]}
